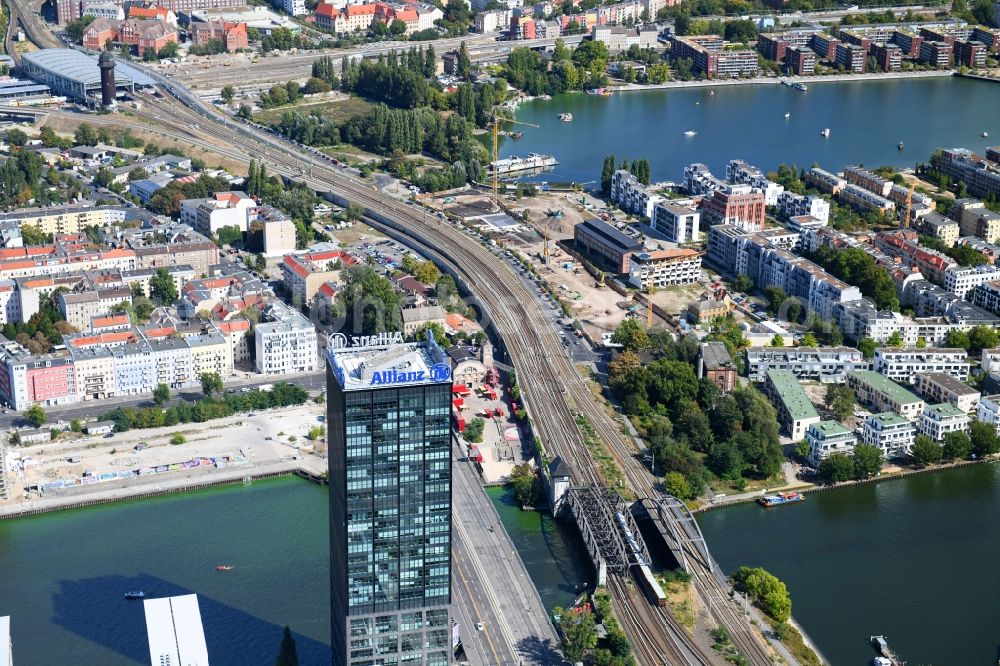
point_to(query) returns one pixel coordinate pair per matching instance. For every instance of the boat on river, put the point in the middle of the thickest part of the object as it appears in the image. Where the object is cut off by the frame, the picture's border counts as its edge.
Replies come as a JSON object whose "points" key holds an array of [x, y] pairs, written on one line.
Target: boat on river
{"points": [[886, 657], [800, 86], [781, 498], [135, 594], [224, 567], [825, 132], [690, 133], [566, 117]]}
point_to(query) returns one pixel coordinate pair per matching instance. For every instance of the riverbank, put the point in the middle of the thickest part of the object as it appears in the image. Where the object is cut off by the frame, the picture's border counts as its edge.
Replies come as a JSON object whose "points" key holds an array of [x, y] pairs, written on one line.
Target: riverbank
{"points": [[806, 488], [808, 80], [144, 487]]}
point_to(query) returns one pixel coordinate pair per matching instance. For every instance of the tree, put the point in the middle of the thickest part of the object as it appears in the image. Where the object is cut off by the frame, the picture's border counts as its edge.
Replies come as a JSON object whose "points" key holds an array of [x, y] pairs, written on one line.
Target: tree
{"points": [[607, 173], [809, 340], [836, 468], [464, 66], [229, 235], [178, 439], [16, 137], [839, 399], [983, 437], [867, 461], [169, 50], [474, 430], [895, 340], [35, 415], [677, 485], [766, 589], [777, 341], [525, 483], [802, 450], [957, 446], [925, 451], [631, 335], [228, 94], [867, 347], [211, 383], [162, 287], [161, 394], [288, 655], [743, 283], [957, 339], [85, 135], [579, 632], [982, 337]]}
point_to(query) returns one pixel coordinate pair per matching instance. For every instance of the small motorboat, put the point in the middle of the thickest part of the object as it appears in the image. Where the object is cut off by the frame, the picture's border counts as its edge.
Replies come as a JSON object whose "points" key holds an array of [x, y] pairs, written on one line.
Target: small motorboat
{"points": [[224, 567], [899, 146], [135, 594], [984, 134], [690, 133], [825, 132], [711, 93], [800, 86], [566, 117], [788, 115]]}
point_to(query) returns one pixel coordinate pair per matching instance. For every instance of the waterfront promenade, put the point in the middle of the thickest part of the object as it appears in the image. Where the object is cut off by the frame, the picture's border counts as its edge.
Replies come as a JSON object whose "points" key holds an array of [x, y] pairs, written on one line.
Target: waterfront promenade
{"points": [[772, 80]]}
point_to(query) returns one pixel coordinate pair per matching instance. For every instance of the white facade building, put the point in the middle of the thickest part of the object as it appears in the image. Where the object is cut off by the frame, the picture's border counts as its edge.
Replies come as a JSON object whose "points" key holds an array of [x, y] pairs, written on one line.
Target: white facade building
{"points": [[904, 365], [631, 195], [664, 268], [938, 420], [826, 438], [889, 432], [678, 223], [287, 344]]}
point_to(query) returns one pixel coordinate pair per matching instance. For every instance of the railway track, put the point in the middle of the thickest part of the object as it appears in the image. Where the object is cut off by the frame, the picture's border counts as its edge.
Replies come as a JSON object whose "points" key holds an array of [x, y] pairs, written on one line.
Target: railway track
{"points": [[554, 388]]}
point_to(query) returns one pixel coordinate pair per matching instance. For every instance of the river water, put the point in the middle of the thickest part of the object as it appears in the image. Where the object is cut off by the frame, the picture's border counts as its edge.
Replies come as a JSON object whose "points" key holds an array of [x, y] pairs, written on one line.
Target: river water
{"points": [[913, 559], [63, 574], [867, 119]]}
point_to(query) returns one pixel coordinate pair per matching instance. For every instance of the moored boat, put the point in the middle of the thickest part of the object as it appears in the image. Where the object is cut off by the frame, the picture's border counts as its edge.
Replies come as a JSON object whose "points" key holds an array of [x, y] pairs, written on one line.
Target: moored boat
{"points": [[886, 656], [135, 594], [224, 567], [780, 498], [566, 117], [825, 132], [800, 86]]}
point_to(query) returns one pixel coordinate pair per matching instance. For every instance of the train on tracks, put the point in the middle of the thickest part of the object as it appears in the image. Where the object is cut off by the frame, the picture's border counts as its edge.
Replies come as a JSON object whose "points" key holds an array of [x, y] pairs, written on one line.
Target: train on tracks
{"points": [[643, 574]]}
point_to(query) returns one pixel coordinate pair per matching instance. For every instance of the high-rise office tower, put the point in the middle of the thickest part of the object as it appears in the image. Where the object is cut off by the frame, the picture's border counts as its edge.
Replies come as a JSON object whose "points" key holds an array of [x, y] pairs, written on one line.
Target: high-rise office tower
{"points": [[388, 417]]}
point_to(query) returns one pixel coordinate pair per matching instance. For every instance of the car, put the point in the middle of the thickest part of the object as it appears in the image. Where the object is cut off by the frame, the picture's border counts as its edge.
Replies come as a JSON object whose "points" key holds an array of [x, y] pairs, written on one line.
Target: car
{"points": [[109, 435], [480, 626], [141, 447]]}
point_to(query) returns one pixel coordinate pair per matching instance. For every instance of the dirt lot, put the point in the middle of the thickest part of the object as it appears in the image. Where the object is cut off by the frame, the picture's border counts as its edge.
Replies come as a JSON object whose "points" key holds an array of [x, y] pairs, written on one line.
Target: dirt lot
{"points": [[266, 436], [816, 391]]}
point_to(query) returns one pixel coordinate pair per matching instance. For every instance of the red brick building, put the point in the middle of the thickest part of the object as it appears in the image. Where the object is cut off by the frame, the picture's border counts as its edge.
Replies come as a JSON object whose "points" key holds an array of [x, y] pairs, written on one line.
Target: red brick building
{"points": [[232, 35], [141, 34], [739, 206]]}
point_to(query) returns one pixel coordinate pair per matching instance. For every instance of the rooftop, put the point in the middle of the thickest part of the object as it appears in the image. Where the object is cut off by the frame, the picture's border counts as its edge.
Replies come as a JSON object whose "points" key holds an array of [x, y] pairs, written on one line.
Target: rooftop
{"points": [[176, 635], [597, 227], [796, 402], [949, 383], [884, 385], [389, 365], [716, 356], [830, 428], [945, 409], [888, 419]]}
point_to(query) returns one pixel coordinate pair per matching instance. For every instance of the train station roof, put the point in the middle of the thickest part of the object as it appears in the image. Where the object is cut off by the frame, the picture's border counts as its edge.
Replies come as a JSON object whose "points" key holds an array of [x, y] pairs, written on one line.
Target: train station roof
{"points": [[78, 66]]}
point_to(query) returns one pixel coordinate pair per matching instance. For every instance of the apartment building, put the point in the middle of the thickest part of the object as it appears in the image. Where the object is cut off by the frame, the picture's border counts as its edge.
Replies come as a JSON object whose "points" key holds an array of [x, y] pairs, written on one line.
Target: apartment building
{"points": [[864, 200], [68, 219], [710, 58], [936, 421], [79, 307], [851, 57], [979, 177], [738, 205], [631, 195], [825, 46], [987, 296], [798, 205], [936, 54], [801, 61], [716, 365], [664, 268], [826, 438], [824, 181], [223, 209], [940, 387], [940, 227], [988, 410], [903, 365], [903, 244], [677, 222], [828, 365], [872, 182], [962, 281], [698, 179], [970, 54], [975, 219], [884, 395], [285, 342], [795, 411], [890, 432], [741, 173], [888, 56], [303, 274]]}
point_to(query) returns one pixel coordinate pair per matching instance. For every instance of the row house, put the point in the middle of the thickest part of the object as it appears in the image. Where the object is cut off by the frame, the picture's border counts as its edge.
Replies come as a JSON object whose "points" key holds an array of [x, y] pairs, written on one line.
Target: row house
{"points": [[824, 181]]}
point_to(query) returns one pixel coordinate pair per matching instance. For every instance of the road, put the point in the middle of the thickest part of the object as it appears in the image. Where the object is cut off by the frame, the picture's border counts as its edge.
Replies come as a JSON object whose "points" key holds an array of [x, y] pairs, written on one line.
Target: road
{"points": [[491, 584]]}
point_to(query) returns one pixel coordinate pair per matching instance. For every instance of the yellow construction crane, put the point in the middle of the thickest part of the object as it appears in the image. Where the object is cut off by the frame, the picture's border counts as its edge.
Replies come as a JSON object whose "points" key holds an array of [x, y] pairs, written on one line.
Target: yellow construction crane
{"points": [[909, 205], [497, 119]]}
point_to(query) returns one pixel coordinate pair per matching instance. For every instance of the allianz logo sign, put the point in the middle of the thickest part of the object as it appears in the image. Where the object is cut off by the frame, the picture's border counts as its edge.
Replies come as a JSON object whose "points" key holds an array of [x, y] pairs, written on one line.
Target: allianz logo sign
{"points": [[439, 372]]}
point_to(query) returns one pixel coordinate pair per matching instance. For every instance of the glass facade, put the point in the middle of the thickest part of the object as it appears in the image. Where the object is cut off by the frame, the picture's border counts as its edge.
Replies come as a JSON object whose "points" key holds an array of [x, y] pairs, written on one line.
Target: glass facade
{"points": [[390, 494]]}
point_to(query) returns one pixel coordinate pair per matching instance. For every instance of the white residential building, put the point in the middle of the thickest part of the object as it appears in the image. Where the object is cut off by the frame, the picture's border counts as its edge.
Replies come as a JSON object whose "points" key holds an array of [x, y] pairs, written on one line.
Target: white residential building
{"points": [[938, 420], [224, 209], [286, 343], [829, 365], [963, 280], [826, 438], [796, 205], [795, 411], [903, 365], [291, 7], [738, 171], [889, 432], [884, 395], [664, 268], [631, 195], [988, 410], [698, 179], [678, 223]]}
